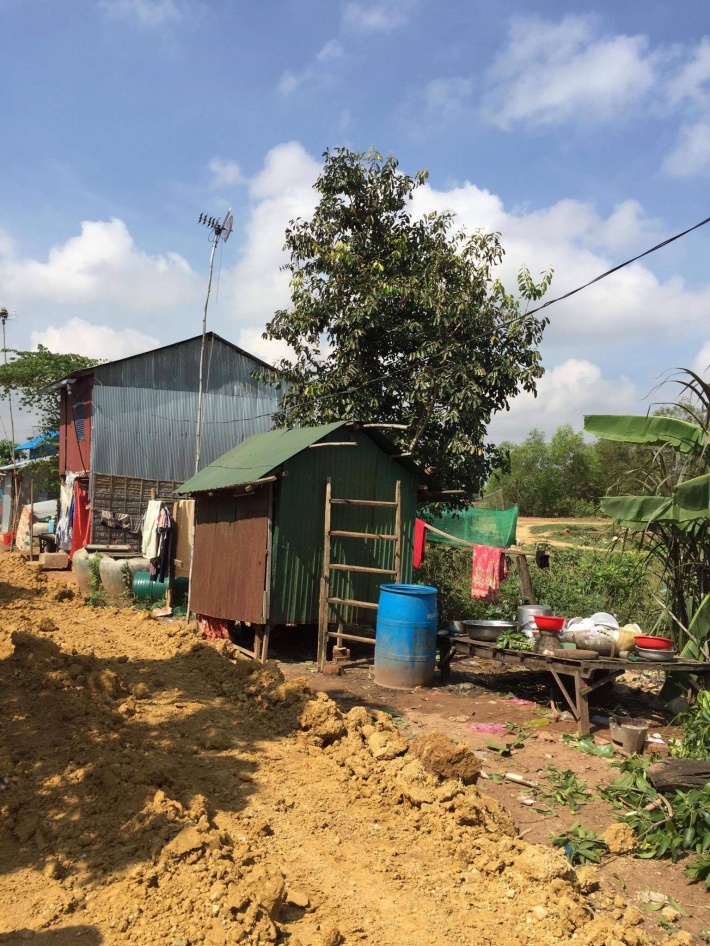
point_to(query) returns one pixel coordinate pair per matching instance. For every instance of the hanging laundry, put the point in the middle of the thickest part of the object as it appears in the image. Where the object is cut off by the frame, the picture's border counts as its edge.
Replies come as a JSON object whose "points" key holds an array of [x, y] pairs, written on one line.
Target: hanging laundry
{"points": [[419, 542], [66, 512], [166, 532], [115, 520], [81, 519], [489, 569], [542, 559], [149, 546]]}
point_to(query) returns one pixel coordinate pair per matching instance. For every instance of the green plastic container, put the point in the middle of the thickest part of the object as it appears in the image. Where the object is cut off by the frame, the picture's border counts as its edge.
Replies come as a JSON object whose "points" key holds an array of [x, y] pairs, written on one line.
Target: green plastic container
{"points": [[146, 590]]}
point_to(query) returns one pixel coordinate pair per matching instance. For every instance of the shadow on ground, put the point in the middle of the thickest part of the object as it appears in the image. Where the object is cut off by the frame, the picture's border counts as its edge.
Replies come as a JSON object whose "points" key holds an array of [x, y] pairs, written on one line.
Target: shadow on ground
{"points": [[102, 762]]}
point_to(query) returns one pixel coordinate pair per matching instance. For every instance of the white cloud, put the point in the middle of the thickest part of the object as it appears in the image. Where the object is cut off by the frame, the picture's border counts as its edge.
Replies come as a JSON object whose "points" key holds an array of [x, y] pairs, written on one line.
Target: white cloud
{"points": [[101, 265], [225, 173], [553, 72], [269, 350], [382, 16], [692, 81], [289, 82], [331, 50], [95, 341], [692, 153], [149, 13], [565, 394], [701, 363]]}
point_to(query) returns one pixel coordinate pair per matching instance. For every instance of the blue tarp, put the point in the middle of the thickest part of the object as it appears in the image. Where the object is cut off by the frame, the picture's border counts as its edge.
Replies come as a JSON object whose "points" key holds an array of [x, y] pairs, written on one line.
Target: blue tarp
{"points": [[38, 441]]}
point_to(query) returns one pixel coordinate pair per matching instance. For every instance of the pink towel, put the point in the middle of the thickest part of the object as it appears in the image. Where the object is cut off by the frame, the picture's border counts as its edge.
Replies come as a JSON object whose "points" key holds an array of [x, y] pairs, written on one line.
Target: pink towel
{"points": [[490, 567], [419, 543]]}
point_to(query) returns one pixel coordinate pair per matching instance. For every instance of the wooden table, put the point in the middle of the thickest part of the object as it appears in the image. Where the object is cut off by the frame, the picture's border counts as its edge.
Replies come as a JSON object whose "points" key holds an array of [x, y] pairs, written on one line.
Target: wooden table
{"points": [[581, 671]]}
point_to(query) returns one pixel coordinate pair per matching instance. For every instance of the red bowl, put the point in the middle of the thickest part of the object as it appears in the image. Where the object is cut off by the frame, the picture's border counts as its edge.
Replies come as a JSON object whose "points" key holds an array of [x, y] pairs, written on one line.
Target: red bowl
{"points": [[547, 623], [655, 643]]}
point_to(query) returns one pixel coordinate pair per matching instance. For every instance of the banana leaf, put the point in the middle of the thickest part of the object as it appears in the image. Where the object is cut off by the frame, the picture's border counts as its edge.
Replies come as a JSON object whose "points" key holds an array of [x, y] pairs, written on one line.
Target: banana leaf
{"points": [[691, 500], [635, 512], [653, 431]]}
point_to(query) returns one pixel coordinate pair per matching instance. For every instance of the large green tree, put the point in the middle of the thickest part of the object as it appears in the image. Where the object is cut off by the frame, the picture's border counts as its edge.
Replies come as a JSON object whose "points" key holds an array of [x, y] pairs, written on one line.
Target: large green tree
{"points": [[28, 372], [400, 319]]}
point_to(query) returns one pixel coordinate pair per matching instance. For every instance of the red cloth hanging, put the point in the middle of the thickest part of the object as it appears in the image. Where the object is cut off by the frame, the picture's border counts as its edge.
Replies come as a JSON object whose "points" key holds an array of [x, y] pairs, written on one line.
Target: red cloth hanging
{"points": [[489, 569], [419, 543], [81, 523]]}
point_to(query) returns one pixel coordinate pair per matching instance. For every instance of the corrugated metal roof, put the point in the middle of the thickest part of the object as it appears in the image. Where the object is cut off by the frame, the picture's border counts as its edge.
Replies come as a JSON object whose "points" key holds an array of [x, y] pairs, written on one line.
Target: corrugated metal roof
{"points": [[256, 457], [38, 441]]}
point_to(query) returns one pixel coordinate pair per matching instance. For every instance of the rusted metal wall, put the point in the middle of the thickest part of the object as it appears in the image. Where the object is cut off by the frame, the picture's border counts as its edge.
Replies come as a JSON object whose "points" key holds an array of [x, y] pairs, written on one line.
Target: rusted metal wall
{"points": [[75, 423], [229, 566]]}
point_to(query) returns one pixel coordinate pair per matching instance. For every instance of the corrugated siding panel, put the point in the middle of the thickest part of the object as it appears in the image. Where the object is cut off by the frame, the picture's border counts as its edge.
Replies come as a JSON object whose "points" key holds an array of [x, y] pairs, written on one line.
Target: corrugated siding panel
{"points": [[229, 566], [362, 472], [145, 410]]}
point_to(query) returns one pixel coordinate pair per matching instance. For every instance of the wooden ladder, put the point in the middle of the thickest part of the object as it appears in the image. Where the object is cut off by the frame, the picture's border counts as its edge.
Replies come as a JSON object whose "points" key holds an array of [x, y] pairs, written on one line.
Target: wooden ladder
{"points": [[325, 597]]}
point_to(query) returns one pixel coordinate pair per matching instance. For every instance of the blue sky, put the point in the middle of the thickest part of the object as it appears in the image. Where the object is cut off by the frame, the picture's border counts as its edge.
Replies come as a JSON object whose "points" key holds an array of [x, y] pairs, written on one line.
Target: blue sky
{"points": [[581, 132]]}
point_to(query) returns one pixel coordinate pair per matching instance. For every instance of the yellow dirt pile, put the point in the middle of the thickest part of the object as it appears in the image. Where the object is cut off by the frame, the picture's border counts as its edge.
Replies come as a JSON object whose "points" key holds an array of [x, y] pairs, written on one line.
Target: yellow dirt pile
{"points": [[157, 790]]}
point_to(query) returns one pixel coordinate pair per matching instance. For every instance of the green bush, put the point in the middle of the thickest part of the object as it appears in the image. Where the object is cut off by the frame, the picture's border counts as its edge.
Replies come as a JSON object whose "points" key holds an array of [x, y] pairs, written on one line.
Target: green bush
{"points": [[578, 583]]}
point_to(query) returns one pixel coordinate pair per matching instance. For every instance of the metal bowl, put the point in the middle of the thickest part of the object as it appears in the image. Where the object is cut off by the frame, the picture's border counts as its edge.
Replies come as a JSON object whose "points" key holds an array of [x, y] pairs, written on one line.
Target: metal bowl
{"points": [[457, 628], [488, 630], [652, 653]]}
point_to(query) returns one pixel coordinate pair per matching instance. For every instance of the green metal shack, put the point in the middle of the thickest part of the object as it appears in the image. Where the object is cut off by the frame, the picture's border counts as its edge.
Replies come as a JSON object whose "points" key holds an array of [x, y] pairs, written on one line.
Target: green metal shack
{"points": [[272, 512]]}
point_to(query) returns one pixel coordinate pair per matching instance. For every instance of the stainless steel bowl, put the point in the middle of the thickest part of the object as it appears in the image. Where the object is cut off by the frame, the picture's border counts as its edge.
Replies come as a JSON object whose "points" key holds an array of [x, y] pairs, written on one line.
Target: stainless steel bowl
{"points": [[652, 653], [488, 630], [457, 628]]}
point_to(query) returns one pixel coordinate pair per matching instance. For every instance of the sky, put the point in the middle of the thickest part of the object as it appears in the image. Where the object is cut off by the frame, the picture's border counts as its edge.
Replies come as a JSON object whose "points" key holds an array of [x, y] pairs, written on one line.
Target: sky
{"points": [[580, 132]]}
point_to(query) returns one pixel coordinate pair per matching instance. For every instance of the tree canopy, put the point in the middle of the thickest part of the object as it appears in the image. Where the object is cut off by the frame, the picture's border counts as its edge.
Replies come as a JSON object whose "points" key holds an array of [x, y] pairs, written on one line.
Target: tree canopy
{"points": [[397, 318], [27, 372]]}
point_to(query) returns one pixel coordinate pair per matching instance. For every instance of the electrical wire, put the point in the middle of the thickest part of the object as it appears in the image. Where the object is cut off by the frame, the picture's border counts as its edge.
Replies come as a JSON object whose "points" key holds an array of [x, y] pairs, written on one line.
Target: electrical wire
{"points": [[441, 354]]}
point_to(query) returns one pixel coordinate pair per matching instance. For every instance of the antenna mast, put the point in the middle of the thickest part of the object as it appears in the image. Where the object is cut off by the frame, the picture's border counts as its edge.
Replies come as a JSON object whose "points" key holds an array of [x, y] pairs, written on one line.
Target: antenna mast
{"points": [[218, 230], [4, 316]]}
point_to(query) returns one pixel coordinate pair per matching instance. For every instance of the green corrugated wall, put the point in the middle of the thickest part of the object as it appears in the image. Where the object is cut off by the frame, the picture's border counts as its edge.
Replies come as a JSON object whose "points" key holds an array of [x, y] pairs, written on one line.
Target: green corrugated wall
{"points": [[362, 472]]}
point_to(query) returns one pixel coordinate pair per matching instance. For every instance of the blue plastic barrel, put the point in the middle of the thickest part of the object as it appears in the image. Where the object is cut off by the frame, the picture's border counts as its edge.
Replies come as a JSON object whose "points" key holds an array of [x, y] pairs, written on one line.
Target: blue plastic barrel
{"points": [[405, 642]]}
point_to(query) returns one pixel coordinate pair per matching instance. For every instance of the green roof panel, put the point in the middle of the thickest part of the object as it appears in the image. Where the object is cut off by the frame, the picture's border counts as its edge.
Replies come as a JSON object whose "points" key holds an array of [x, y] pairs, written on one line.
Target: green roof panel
{"points": [[256, 457]]}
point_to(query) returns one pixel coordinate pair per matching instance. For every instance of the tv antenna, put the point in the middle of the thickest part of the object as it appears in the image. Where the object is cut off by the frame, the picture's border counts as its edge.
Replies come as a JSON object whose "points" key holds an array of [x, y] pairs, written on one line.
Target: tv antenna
{"points": [[6, 314], [219, 230]]}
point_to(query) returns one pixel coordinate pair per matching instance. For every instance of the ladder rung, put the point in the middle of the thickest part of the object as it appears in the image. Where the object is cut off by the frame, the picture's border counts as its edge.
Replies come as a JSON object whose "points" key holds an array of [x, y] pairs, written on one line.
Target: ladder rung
{"points": [[362, 502], [351, 637], [362, 568], [361, 535], [353, 604]]}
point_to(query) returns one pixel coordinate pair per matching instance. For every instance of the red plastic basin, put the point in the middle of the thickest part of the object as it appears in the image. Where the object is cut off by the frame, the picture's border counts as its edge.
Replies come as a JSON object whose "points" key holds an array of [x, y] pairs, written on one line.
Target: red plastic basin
{"points": [[547, 623], [655, 643]]}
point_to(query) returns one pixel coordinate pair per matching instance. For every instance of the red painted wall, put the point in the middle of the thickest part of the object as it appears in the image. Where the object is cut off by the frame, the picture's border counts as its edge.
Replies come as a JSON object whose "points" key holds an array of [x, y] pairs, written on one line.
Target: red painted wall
{"points": [[75, 415]]}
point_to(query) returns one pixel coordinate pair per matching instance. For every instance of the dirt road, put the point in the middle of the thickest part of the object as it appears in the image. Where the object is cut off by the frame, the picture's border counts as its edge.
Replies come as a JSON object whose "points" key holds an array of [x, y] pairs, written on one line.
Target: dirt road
{"points": [[155, 790]]}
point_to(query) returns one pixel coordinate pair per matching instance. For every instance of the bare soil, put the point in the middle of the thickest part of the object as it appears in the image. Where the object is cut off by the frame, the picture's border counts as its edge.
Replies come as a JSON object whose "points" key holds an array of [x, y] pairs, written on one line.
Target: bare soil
{"points": [[156, 789]]}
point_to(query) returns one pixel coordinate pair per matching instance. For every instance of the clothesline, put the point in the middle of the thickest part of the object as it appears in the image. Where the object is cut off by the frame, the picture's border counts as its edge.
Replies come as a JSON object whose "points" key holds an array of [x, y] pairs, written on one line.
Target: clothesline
{"points": [[470, 545]]}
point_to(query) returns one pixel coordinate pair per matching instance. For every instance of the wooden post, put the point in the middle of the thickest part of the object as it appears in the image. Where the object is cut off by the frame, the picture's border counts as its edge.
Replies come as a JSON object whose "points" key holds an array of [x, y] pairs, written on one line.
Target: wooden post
{"points": [[582, 706], [32, 516], [325, 583], [265, 643], [526, 587], [267, 573], [398, 532]]}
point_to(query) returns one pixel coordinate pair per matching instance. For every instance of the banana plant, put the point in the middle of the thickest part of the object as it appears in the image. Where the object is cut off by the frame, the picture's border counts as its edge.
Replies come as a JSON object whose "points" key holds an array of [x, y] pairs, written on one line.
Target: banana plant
{"points": [[671, 519]]}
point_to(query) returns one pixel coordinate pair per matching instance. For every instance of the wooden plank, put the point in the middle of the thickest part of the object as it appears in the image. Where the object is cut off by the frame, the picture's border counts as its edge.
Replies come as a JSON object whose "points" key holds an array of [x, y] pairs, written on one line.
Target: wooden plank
{"points": [[670, 774], [570, 702], [351, 637], [361, 535], [362, 502], [362, 568], [334, 443], [325, 582], [353, 604]]}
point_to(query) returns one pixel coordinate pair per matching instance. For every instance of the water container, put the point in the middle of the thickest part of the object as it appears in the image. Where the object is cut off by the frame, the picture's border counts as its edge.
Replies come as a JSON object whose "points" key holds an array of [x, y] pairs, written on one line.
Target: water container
{"points": [[82, 572], [405, 645], [144, 588]]}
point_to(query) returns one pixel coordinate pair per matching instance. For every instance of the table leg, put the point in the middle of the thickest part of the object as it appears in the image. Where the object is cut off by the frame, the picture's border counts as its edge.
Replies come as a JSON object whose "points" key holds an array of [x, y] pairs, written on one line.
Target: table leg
{"points": [[584, 726]]}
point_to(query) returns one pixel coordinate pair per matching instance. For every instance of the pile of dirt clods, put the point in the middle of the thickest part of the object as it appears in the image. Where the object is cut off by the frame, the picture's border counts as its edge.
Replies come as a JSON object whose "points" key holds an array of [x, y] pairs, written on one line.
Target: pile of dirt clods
{"points": [[195, 797]]}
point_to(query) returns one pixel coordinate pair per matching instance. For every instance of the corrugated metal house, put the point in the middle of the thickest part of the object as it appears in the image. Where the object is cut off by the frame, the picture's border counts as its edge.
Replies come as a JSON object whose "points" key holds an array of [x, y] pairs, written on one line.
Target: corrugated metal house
{"points": [[260, 524], [129, 425]]}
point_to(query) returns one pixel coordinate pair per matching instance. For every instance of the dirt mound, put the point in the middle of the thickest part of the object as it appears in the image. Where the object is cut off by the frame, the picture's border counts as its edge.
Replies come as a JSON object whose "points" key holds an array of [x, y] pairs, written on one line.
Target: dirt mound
{"points": [[159, 789]]}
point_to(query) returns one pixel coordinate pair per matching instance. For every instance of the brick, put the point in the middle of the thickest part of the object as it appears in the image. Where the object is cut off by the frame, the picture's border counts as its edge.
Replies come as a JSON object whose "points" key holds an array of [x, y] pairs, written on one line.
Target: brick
{"points": [[51, 561]]}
